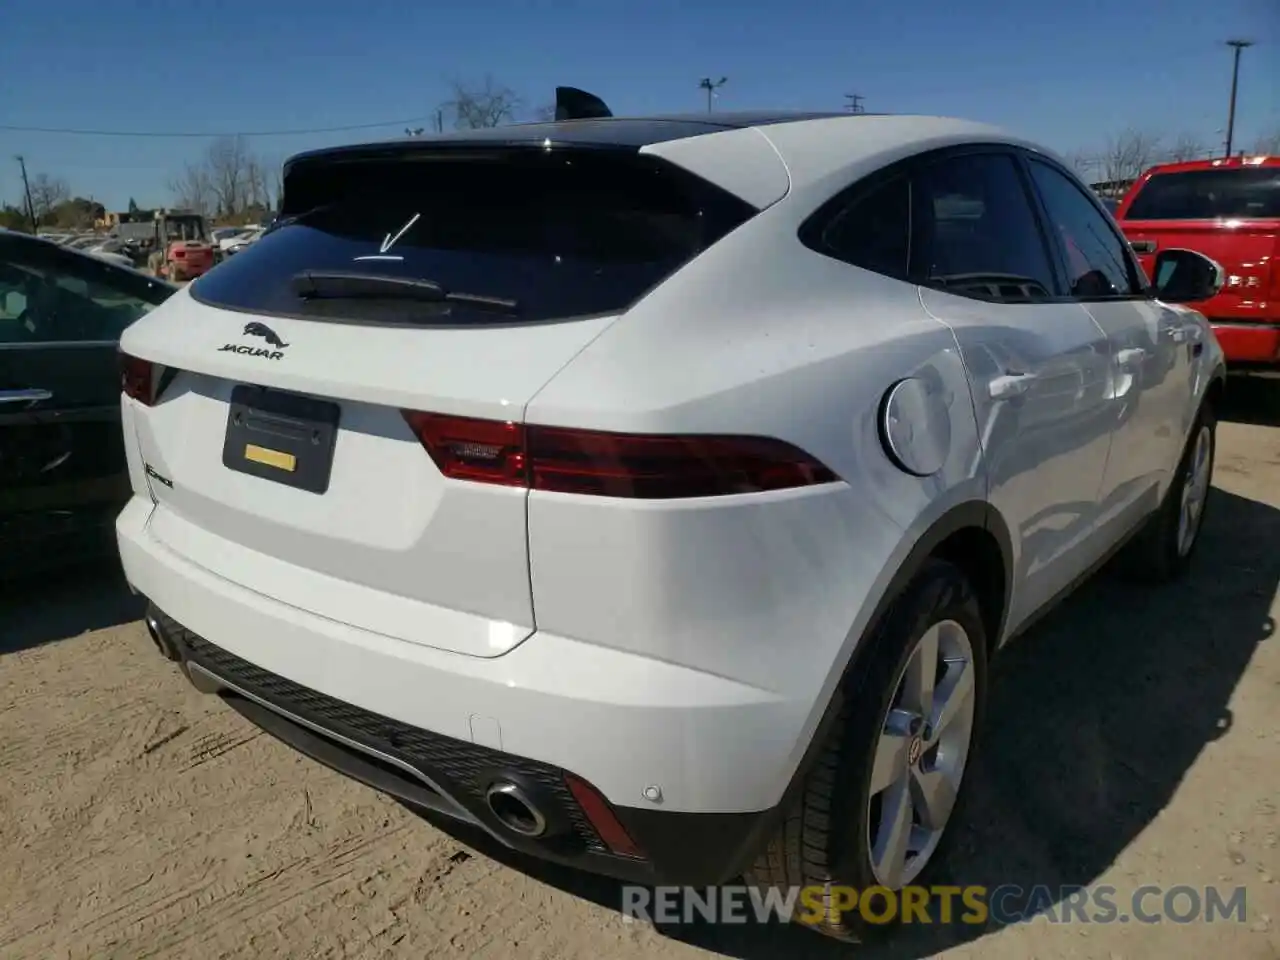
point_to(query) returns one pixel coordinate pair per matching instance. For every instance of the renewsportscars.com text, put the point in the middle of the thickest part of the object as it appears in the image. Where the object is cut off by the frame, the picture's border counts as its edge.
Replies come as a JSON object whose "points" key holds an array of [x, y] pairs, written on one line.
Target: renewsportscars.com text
{"points": [[978, 905]]}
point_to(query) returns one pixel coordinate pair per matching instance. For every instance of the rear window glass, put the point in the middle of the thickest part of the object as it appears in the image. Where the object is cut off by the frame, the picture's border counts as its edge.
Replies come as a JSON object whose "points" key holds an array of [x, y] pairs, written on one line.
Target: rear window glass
{"points": [[549, 234], [1209, 195]]}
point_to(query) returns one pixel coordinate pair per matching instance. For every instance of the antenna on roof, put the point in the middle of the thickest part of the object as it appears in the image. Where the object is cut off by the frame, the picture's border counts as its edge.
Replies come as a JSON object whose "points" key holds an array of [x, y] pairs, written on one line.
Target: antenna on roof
{"points": [[575, 104]]}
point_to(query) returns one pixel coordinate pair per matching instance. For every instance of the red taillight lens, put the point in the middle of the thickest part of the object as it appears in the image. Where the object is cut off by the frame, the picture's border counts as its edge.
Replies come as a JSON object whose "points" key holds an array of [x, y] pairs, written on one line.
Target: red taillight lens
{"points": [[639, 466], [137, 378], [663, 467], [602, 817], [485, 450]]}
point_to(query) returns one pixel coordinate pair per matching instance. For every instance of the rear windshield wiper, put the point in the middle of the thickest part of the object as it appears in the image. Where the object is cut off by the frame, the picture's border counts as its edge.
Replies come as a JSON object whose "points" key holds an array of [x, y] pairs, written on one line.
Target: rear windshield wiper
{"points": [[344, 285]]}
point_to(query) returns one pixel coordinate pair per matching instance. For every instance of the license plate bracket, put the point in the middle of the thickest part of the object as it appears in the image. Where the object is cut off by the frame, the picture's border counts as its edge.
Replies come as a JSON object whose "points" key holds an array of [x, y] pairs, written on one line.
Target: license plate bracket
{"points": [[282, 437]]}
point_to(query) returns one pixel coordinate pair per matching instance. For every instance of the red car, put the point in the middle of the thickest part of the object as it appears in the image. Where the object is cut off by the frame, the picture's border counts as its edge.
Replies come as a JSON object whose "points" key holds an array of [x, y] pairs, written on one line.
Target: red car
{"points": [[1229, 210]]}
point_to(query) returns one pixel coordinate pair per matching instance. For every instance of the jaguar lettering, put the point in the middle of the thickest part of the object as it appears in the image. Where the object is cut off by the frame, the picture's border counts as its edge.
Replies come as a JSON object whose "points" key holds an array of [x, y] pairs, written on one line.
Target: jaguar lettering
{"points": [[251, 351]]}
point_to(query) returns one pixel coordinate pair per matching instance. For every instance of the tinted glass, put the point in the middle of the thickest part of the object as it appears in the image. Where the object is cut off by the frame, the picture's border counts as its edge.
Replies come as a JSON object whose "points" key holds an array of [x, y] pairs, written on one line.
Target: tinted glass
{"points": [[1209, 195], [562, 234], [1097, 266], [874, 231], [976, 232], [50, 296]]}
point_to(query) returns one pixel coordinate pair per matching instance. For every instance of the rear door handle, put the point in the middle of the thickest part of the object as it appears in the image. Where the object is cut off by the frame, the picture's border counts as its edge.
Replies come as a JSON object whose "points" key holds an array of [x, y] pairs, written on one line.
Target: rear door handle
{"points": [[1131, 357], [1011, 385], [24, 396]]}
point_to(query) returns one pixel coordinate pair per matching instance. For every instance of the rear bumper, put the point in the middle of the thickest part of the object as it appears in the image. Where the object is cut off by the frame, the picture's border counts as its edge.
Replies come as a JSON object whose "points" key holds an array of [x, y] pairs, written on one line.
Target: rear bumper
{"points": [[1255, 344], [437, 729]]}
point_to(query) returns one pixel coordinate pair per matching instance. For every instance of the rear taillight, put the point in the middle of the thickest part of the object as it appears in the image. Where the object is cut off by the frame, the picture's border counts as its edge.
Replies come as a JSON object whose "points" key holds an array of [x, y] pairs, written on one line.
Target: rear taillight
{"points": [[137, 378], [485, 450], [639, 466]]}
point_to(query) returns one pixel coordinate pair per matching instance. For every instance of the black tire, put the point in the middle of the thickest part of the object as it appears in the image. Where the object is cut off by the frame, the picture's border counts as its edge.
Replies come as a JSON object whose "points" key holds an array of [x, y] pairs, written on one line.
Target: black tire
{"points": [[1154, 555], [824, 838]]}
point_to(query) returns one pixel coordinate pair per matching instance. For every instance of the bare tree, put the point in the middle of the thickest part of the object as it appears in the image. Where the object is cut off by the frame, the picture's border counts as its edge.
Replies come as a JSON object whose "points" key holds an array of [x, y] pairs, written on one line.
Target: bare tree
{"points": [[193, 189], [1187, 147], [228, 163], [228, 181], [545, 112], [1128, 154], [488, 104], [1268, 143], [1084, 164], [46, 193], [257, 193]]}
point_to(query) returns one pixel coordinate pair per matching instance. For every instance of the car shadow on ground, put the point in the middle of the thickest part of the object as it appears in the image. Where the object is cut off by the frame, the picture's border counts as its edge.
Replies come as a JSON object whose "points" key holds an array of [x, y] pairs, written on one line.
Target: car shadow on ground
{"points": [[1095, 717], [1254, 400], [39, 609]]}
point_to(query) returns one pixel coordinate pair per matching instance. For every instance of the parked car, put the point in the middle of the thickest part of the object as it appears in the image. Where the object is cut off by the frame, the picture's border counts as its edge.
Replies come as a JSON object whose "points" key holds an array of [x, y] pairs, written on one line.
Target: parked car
{"points": [[1227, 209], [653, 492], [242, 240], [223, 236], [113, 251], [62, 463]]}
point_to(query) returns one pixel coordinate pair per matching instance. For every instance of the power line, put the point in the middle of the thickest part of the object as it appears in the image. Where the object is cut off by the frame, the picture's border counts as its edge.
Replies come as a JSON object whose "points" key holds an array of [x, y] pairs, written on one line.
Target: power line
{"points": [[73, 131]]}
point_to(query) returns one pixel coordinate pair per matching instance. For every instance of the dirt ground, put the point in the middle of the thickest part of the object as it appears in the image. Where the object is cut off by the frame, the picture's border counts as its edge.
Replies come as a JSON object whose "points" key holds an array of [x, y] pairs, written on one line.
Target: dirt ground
{"points": [[1133, 739]]}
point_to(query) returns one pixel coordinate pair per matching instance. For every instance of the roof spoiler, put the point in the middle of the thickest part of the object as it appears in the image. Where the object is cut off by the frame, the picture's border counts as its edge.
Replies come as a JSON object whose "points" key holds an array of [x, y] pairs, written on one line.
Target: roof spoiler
{"points": [[575, 104]]}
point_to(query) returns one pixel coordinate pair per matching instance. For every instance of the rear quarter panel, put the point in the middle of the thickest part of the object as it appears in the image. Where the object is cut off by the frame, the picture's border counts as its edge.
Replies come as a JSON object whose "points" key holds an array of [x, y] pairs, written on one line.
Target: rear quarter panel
{"points": [[758, 336]]}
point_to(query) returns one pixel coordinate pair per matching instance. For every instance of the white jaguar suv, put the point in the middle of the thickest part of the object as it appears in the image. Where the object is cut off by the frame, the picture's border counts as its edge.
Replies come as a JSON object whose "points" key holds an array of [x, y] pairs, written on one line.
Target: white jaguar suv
{"points": [[653, 493]]}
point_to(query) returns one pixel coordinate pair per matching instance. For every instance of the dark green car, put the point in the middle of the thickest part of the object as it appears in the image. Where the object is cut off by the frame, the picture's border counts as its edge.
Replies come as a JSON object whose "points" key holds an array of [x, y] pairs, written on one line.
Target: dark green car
{"points": [[63, 476]]}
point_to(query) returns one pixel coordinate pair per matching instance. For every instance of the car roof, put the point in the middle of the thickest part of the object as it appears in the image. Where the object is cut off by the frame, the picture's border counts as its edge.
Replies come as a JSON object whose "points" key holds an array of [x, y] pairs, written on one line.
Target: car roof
{"points": [[1220, 163], [621, 132], [808, 146]]}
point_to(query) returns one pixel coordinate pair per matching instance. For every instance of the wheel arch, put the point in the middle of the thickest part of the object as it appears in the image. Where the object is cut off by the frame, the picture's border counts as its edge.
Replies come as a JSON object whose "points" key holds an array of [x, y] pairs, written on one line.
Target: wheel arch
{"points": [[972, 535], [1217, 387]]}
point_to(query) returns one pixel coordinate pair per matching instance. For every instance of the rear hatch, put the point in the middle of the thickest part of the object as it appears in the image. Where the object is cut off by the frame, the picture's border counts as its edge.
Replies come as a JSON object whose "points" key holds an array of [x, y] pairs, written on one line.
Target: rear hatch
{"points": [[281, 439], [1228, 213]]}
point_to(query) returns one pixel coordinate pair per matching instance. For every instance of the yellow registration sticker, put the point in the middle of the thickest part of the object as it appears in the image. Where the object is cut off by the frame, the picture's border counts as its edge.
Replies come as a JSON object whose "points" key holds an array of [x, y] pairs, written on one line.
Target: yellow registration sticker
{"points": [[271, 458]]}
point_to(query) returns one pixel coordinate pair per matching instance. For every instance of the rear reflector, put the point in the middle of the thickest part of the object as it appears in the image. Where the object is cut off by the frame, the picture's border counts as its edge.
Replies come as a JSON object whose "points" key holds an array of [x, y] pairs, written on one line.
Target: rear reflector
{"points": [[602, 817], [639, 466], [137, 378]]}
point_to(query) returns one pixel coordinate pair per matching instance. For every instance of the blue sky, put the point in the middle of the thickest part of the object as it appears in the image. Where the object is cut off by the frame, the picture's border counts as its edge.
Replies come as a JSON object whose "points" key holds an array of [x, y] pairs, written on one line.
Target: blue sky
{"points": [[1067, 74]]}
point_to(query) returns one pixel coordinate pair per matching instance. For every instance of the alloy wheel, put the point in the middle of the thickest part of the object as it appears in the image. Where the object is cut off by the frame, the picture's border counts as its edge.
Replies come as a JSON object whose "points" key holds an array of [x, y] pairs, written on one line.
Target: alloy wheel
{"points": [[1195, 491], [921, 754]]}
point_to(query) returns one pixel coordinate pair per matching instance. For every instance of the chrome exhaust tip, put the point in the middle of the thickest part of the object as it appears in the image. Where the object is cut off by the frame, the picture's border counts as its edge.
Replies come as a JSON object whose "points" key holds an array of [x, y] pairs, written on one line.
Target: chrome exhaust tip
{"points": [[514, 810], [157, 634]]}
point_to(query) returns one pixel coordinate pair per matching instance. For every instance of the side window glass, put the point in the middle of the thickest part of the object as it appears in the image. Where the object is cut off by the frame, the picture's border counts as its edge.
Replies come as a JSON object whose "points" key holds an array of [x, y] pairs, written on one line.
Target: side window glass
{"points": [[51, 299], [874, 230], [976, 231], [1097, 266]]}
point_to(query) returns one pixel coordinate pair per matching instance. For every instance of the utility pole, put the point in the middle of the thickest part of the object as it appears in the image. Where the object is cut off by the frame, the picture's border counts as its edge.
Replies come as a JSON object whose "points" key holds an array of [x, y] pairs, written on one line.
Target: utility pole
{"points": [[855, 102], [26, 190], [1238, 45], [439, 118], [707, 84]]}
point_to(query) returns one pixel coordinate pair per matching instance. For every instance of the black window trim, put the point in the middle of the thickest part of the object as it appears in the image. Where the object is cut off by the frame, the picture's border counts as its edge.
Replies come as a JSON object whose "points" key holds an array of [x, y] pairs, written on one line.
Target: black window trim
{"points": [[1137, 276], [813, 227], [812, 231]]}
